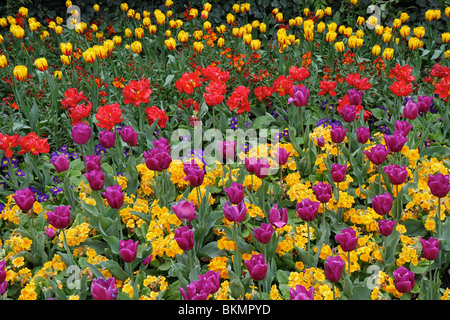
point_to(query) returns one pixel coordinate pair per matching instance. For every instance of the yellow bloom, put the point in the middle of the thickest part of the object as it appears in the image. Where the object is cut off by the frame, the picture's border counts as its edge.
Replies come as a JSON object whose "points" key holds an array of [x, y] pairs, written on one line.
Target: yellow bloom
{"points": [[20, 72], [136, 47]]}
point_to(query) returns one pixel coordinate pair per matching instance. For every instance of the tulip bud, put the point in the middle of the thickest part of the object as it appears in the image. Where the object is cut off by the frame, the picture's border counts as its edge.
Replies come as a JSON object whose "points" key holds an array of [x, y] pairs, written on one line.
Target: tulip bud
{"points": [[386, 227], [20, 73], [102, 289], [60, 217], [257, 267], [382, 203], [264, 233], [60, 162], [347, 239], [333, 268], [403, 279], [307, 209], [114, 196], [184, 236], [24, 199], [430, 248], [128, 250], [185, 211]]}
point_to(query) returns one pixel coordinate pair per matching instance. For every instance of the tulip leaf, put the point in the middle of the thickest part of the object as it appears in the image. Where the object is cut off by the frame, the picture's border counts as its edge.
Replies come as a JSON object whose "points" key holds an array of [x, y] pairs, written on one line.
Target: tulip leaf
{"points": [[95, 271], [414, 228], [114, 268]]}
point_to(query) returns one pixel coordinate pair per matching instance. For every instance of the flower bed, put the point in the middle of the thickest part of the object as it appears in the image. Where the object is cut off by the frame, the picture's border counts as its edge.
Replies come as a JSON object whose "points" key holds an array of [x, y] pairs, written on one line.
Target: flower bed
{"points": [[161, 156]]}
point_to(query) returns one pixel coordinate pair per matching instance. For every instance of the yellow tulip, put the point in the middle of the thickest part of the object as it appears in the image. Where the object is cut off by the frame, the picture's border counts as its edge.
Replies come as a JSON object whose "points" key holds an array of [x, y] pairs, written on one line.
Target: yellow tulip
{"points": [[376, 50], [236, 8], [128, 32], [89, 55], [447, 54], [360, 34], [332, 27], [109, 44], [447, 12], [445, 37], [20, 72], [146, 22], [131, 13], [204, 14], [379, 29], [348, 32], [168, 3], [388, 53], [245, 7], [221, 29], [96, 8], [17, 31], [41, 64], [170, 43], [66, 60], [57, 75], [306, 12], [183, 36], [360, 21], [321, 27], [66, 48], [220, 42], [352, 42], [124, 7], [405, 31], [117, 40], [397, 23], [255, 24], [58, 30], [330, 36], [3, 61], [198, 46], [207, 7], [328, 11], [404, 17], [101, 52], [136, 47], [255, 44], [152, 29], [298, 21], [309, 34], [262, 27], [193, 13], [23, 11], [198, 34], [339, 46], [230, 18], [419, 32], [206, 25], [139, 32], [247, 38], [387, 37]]}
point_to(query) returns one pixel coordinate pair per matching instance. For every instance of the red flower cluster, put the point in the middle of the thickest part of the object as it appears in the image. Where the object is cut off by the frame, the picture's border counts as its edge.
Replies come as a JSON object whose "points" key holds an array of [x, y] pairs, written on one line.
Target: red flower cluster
{"points": [[188, 104], [214, 73], [327, 87], [80, 112], [298, 74], [214, 94], [109, 115], [263, 92], [137, 92], [154, 113], [188, 82], [32, 143], [354, 79], [239, 100], [283, 85], [442, 88], [7, 143], [402, 87], [72, 98]]}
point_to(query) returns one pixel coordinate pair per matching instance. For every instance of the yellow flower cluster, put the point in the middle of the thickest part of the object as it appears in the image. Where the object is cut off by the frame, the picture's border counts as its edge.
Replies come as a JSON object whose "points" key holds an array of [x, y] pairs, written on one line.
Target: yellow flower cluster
{"points": [[75, 235]]}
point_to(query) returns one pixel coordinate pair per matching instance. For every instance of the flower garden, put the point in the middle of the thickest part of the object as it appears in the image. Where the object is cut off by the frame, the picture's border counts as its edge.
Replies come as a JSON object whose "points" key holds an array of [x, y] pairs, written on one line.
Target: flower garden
{"points": [[164, 155]]}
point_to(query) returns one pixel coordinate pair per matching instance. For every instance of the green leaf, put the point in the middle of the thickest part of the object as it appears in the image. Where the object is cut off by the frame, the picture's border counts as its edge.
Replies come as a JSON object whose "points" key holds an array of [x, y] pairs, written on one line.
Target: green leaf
{"points": [[414, 228], [114, 268]]}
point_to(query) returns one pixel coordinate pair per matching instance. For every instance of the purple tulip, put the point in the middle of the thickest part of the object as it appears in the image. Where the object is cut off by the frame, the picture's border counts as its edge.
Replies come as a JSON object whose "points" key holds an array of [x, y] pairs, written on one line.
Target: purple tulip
{"points": [[210, 281], [386, 227], [227, 149], [338, 172], [162, 143], [60, 217], [337, 134], [194, 174], [396, 174], [300, 96], [278, 217], [2, 271], [260, 167], [236, 213], [24, 199], [403, 279], [307, 209], [430, 248], [93, 162], [334, 265], [411, 111], [282, 156], [147, 260], [81, 133], [354, 96], [128, 250], [50, 232], [424, 103], [257, 267], [250, 164], [348, 113], [107, 138], [439, 184], [377, 154], [129, 136], [60, 162], [96, 179], [300, 293], [3, 287], [363, 134], [184, 236], [114, 196], [395, 142], [102, 289], [157, 159], [322, 191], [348, 240], [264, 233], [235, 193], [320, 142], [382, 203], [402, 127], [194, 291], [185, 210]]}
